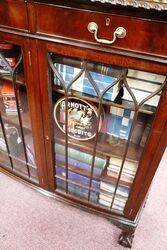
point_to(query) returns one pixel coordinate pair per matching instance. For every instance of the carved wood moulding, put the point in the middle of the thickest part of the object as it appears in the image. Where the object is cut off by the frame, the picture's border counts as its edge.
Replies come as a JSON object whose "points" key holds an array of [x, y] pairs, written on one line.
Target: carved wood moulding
{"points": [[152, 4]]}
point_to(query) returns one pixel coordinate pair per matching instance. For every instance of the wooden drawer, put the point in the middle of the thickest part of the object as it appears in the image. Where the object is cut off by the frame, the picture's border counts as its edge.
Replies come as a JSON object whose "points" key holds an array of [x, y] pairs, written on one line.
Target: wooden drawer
{"points": [[13, 14], [142, 35]]}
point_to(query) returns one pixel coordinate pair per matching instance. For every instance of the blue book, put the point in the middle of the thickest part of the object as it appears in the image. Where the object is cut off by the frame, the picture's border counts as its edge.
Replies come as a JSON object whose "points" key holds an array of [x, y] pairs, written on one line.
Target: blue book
{"points": [[105, 77], [77, 178], [76, 190], [80, 165], [102, 82], [119, 122], [143, 84], [83, 157]]}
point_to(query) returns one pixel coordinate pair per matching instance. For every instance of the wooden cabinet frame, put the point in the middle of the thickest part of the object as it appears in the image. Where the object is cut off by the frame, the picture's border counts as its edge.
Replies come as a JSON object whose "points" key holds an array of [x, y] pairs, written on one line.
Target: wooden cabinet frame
{"points": [[33, 95], [148, 165], [36, 46]]}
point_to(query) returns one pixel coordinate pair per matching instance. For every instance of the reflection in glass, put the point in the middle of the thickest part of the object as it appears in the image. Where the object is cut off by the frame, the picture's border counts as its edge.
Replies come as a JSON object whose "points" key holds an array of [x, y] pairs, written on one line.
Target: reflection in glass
{"points": [[15, 118], [116, 106]]}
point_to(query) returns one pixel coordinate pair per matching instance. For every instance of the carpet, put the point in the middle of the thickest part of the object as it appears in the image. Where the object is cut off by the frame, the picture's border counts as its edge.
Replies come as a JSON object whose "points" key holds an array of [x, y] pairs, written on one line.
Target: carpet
{"points": [[32, 221]]}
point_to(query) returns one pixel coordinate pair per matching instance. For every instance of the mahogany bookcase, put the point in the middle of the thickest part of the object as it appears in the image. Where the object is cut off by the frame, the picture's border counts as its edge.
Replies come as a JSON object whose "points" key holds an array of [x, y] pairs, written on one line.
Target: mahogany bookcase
{"points": [[83, 102]]}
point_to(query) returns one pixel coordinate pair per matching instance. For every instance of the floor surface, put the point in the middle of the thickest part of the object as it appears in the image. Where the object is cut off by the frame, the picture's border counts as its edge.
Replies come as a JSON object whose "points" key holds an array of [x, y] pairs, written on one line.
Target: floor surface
{"points": [[31, 221]]}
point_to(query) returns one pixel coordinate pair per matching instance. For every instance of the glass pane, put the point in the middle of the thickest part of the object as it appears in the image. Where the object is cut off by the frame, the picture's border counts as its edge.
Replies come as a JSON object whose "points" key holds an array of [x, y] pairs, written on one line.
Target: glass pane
{"points": [[15, 117], [102, 115]]}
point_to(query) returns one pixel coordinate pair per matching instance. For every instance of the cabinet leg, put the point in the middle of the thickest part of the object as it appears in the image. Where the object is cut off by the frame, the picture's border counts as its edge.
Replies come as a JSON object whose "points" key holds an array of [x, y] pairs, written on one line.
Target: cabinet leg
{"points": [[126, 238]]}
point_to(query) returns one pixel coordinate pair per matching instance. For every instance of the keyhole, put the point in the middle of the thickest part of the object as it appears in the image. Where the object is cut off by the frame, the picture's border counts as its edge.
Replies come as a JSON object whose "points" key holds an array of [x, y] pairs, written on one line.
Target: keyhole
{"points": [[107, 21]]}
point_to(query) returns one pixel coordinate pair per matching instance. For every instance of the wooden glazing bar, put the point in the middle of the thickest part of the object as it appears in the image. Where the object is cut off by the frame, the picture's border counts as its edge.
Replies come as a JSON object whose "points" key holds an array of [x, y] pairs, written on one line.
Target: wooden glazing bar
{"points": [[66, 138], [6, 141], [14, 72], [125, 104], [129, 138], [100, 96], [138, 106]]}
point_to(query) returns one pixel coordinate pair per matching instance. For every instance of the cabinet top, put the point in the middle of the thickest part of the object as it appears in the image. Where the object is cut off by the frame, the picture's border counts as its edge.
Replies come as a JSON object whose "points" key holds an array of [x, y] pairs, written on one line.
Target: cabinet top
{"points": [[158, 5]]}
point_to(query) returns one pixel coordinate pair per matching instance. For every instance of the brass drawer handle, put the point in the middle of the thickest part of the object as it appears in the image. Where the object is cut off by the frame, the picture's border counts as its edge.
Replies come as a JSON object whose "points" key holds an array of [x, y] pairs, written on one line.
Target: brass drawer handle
{"points": [[120, 32]]}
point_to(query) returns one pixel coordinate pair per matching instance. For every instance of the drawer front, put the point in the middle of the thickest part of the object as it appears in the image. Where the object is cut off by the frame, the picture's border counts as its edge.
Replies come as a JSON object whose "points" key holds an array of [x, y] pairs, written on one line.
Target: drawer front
{"points": [[142, 35], [13, 14]]}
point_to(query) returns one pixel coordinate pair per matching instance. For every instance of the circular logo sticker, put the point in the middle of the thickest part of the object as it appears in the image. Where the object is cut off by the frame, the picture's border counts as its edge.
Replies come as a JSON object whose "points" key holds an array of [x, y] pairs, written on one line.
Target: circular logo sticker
{"points": [[82, 118]]}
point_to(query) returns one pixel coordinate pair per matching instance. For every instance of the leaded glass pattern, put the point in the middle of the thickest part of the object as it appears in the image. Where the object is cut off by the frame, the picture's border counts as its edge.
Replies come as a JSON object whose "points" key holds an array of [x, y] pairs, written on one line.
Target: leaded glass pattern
{"points": [[116, 106], [16, 141]]}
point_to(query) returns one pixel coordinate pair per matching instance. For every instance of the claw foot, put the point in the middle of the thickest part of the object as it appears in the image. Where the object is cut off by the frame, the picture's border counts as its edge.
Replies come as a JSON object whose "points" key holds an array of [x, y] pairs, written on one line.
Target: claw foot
{"points": [[126, 239]]}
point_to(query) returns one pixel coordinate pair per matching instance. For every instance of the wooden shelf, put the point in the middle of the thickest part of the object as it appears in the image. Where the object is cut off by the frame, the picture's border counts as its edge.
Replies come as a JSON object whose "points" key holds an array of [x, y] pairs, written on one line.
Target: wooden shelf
{"points": [[104, 148], [19, 80], [101, 177], [124, 105], [13, 119], [79, 171], [113, 179]]}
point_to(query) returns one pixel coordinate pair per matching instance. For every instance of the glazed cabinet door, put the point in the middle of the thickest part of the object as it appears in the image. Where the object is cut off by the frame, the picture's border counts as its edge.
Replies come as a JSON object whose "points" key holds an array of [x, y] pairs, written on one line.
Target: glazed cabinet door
{"points": [[21, 151], [99, 115]]}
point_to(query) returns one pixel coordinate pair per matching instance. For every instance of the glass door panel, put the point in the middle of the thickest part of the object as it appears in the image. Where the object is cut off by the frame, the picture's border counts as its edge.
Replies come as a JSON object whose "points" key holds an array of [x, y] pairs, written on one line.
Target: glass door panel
{"points": [[16, 142], [102, 115]]}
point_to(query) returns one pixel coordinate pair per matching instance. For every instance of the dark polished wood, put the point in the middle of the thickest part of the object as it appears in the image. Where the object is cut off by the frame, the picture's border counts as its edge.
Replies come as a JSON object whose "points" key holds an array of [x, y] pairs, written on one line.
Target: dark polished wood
{"points": [[105, 7], [33, 96], [13, 14], [149, 162], [109, 58], [60, 27], [149, 37]]}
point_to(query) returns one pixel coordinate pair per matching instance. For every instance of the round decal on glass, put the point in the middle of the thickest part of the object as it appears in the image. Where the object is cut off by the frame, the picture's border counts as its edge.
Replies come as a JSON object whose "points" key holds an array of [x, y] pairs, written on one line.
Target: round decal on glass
{"points": [[82, 118]]}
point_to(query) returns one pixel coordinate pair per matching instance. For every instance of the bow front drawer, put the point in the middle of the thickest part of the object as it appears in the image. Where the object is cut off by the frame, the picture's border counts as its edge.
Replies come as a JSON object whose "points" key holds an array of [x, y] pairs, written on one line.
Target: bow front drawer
{"points": [[13, 14], [141, 35]]}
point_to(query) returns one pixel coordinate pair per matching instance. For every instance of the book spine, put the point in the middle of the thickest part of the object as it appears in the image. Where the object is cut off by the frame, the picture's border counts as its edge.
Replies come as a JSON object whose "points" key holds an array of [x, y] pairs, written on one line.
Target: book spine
{"points": [[150, 77], [110, 188], [76, 190], [77, 178], [60, 159], [82, 84], [124, 177], [30, 155], [114, 71], [83, 157], [119, 122], [141, 95]]}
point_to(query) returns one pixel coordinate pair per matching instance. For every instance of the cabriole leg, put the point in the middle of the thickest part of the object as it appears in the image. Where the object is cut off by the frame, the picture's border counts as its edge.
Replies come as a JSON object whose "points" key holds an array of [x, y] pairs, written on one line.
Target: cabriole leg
{"points": [[126, 238]]}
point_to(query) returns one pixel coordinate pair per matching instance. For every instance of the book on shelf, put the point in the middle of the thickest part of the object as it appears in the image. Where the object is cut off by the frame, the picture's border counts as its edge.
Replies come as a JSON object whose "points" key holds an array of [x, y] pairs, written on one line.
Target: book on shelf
{"points": [[107, 198], [30, 149], [127, 178], [4, 69], [2, 143], [142, 85], [82, 156], [13, 139], [145, 134], [15, 143], [9, 98], [110, 189], [120, 198], [76, 164], [119, 122], [102, 75], [77, 178], [6, 50], [76, 190], [128, 167], [118, 203], [128, 171]]}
